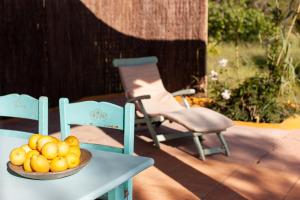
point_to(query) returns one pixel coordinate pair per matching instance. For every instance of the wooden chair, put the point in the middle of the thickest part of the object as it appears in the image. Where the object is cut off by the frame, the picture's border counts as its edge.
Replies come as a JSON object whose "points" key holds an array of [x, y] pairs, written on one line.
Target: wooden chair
{"points": [[154, 104], [101, 114], [27, 107]]}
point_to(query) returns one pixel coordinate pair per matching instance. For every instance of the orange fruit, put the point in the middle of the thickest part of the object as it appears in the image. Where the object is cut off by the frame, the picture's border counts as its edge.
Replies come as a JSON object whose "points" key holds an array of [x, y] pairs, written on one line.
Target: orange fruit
{"points": [[72, 140], [26, 148], [31, 153], [75, 150], [73, 160], [26, 165], [39, 163], [17, 156], [58, 164], [32, 142], [63, 148], [42, 141], [50, 150]]}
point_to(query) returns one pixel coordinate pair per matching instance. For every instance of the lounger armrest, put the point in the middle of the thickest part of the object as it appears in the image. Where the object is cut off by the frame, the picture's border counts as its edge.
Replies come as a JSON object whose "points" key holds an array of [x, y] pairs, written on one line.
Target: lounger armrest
{"points": [[138, 98], [184, 92]]}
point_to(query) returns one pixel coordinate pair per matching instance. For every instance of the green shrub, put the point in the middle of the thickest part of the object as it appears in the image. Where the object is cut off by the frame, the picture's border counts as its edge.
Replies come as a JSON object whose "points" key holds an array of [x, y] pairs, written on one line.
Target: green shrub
{"points": [[253, 100]]}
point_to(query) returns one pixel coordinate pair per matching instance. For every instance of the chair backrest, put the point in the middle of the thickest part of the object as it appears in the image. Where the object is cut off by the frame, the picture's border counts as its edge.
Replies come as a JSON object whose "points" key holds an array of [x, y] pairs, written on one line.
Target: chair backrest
{"points": [[100, 114], [26, 107], [140, 76]]}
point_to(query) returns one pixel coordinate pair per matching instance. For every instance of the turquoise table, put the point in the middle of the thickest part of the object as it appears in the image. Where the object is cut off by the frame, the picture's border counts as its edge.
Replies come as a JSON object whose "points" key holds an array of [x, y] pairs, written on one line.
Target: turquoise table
{"points": [[105, 172]]}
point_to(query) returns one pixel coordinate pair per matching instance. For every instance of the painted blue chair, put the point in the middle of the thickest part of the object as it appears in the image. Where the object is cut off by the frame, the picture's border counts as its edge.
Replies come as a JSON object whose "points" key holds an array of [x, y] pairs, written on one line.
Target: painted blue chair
{"points": [[101, 114], [26, 107]]}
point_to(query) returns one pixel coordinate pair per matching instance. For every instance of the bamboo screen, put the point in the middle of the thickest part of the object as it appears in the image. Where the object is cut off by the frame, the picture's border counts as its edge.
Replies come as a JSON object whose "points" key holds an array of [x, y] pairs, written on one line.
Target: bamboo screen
{"points": [[65, 48]]}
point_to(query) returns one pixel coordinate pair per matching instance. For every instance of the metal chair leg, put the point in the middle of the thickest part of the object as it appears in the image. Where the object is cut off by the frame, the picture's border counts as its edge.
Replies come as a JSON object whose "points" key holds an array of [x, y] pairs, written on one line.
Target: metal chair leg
{"points": [[224, 143], [199, 146], [149, 125], [152, 132]]}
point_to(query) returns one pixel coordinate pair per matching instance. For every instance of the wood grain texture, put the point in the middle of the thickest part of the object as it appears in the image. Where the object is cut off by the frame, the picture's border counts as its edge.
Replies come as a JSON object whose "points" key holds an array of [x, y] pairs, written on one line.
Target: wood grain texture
{"points": [[65, 48]]}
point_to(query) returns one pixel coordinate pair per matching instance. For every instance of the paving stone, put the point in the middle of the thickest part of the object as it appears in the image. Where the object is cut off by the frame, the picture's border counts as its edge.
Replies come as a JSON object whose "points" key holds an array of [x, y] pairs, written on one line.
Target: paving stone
{"points": [[259, 183], [294, 193]]}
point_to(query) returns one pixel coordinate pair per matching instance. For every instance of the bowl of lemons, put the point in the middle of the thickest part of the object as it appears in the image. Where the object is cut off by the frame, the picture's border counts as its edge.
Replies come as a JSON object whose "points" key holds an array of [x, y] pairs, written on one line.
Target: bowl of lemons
{"points": [[47, 157]]}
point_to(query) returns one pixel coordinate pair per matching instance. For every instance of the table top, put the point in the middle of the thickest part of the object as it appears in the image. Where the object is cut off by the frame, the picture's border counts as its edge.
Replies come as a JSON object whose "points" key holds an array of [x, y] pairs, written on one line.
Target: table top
{"points": [[104, 172]]}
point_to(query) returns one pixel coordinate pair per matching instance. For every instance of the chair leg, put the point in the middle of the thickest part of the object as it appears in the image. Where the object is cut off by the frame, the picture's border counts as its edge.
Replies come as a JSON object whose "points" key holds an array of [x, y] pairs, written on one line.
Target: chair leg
{"points": [[224, 143], [149, 125], [199, 146], [152, 132], [116, 194], [128, 189]]}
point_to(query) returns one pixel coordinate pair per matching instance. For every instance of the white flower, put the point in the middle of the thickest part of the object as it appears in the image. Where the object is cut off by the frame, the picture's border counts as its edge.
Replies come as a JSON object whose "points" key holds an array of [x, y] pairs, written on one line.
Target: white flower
{"points": [[226, 94], [223, 62], [213, 75]]}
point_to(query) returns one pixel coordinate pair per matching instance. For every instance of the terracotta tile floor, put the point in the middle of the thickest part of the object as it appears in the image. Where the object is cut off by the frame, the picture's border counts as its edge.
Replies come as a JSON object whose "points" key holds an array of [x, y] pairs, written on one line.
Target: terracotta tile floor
{"points": [[265, 163]]}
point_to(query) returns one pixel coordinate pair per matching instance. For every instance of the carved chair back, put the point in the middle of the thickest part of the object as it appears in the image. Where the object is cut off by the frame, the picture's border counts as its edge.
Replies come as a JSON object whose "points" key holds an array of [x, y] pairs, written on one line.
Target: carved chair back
{"points": [[26, 107]]}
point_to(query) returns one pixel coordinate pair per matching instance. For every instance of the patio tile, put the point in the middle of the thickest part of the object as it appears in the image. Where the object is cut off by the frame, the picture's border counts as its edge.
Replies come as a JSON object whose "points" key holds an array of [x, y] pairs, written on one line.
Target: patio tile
{"points": [[224, 193], [247, 145], [294, 193], [192, 179], [286, 154], [259, 183], [195, 175], [154, 184]]}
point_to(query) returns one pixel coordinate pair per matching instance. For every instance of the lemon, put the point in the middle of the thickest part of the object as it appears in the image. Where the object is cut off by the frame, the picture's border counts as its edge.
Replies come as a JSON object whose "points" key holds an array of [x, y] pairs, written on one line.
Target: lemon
{"points": [[55, 139], [50, 150], [43, 140], [31, 153], [75, 150], [17, 156], [26, 148], [33, 140], [72, 140], [26, 165], [39, 163], [63, 148], [73, 160], [58, 164]]}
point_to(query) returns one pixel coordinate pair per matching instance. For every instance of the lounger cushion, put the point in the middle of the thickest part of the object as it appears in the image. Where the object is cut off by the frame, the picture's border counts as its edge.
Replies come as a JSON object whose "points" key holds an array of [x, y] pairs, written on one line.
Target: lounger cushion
{"points": [[145, 80], [199, 119]]}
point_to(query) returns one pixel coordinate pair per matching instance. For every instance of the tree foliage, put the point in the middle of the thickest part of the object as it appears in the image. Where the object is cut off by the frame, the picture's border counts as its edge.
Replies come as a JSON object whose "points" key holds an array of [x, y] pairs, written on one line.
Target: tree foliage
{"points": [[235, 21]]}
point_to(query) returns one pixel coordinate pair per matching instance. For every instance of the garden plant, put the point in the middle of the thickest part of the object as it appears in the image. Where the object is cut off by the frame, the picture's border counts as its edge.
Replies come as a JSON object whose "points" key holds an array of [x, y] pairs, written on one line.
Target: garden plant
{"points": [[269, 92]]}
